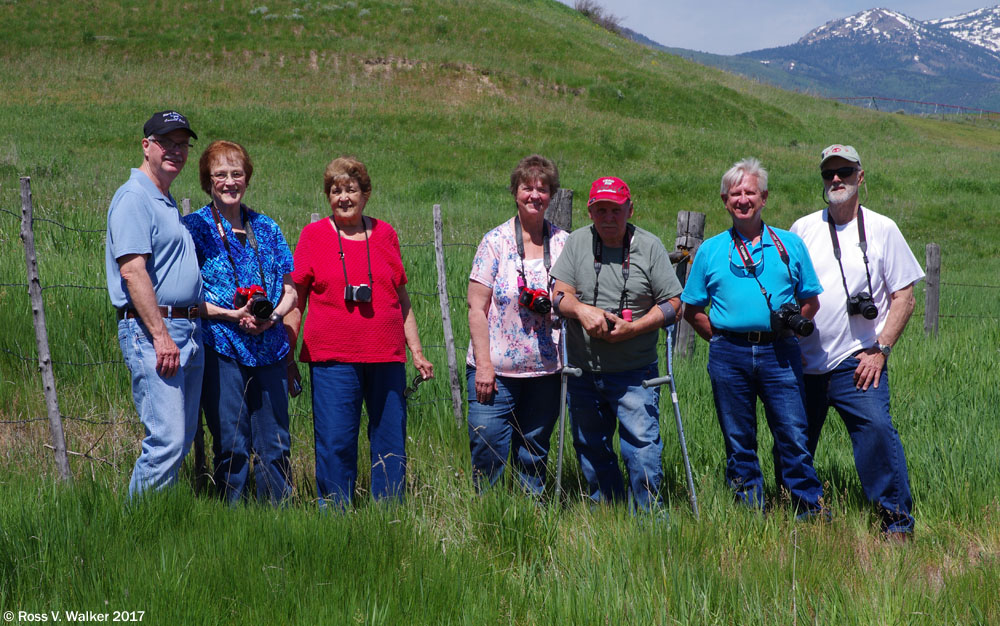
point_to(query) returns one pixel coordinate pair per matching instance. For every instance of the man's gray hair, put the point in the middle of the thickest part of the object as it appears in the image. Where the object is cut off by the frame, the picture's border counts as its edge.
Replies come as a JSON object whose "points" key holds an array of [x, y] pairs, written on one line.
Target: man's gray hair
{"points": [[747, 167]]}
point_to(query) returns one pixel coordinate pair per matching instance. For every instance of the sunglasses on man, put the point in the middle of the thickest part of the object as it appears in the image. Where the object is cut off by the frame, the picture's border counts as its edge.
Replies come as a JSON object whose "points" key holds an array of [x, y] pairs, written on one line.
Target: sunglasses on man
{"points": [[841, 172]]}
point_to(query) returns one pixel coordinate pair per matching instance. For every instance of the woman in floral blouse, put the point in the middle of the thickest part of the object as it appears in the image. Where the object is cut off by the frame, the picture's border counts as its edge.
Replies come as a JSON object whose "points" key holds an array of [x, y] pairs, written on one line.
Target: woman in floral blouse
{"points": [[513, 359]]}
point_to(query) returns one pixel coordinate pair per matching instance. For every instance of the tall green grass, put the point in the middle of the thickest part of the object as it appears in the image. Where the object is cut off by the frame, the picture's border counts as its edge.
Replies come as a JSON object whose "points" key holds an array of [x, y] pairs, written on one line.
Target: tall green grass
{"points": [[441, 98]]}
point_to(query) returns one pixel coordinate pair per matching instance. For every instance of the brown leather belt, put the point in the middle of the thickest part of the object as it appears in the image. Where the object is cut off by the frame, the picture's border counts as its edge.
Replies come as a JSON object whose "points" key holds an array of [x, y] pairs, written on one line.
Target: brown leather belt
{"points": [[754, 336], [169, 312]]}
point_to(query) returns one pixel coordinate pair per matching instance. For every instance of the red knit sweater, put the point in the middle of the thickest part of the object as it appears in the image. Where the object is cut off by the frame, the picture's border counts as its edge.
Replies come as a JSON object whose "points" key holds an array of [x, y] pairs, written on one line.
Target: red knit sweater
{"points": [[350, 332]]}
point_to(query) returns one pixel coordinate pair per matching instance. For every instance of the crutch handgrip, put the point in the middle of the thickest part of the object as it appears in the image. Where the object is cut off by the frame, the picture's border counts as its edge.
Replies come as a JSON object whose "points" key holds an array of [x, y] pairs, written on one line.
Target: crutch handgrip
{"points": [[655, 382], [572, 371]]}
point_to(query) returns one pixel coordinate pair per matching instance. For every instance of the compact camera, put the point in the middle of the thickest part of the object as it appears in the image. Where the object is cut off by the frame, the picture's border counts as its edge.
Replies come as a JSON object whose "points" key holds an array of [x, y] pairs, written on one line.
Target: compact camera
{"points": [[260, 306], [862, 304], [358, 293], [789, 315], [625, 314], [536, 300]]}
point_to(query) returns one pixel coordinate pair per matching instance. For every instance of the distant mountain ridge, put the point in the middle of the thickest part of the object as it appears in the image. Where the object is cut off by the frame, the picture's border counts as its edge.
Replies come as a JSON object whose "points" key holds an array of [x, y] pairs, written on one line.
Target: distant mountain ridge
{"points": [[880, 52]]}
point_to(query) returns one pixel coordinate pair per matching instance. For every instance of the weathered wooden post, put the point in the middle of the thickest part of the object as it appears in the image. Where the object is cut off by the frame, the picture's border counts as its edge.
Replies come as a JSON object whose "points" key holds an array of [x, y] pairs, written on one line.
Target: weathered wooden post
{"points": [[933, 289], [42, 334], [560, 211], [449, 337], [690, 234]]}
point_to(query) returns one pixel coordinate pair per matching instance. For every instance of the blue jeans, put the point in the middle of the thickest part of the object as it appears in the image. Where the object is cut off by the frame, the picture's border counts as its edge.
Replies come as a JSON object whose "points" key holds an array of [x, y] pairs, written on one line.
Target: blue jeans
{"points": [[522, 413], [337, 392], [601, 401], [740, 373], [878, 451], [168, 407], [246, 410]]}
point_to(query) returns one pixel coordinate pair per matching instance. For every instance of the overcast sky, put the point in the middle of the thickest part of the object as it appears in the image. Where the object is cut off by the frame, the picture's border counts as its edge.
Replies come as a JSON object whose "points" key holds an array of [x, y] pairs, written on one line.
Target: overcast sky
{"points": [[734, 26]]}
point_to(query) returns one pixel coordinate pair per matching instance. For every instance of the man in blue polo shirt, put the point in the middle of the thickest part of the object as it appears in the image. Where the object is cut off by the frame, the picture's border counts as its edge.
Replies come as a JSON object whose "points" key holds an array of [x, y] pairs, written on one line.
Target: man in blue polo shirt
{"points": [[155, 285], [756, 279]]}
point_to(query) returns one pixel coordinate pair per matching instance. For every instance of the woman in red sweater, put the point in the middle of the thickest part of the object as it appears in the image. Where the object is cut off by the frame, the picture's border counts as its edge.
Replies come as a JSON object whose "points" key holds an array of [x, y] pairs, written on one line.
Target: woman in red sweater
{"points": [[349, 270]]}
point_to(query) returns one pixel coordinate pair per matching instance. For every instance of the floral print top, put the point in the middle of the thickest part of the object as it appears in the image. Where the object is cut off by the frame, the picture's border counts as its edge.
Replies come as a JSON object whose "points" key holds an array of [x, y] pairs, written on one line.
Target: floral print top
{"points": [[522, 343]]}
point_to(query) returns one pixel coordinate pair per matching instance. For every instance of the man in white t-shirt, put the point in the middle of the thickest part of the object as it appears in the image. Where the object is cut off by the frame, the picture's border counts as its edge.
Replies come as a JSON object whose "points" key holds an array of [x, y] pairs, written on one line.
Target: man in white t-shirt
{"points": [[867, 271]]}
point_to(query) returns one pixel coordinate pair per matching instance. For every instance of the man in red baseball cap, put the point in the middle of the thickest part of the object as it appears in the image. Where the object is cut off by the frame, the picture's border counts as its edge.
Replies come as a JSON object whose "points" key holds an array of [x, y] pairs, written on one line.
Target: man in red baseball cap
{"points": [[616, 288]]}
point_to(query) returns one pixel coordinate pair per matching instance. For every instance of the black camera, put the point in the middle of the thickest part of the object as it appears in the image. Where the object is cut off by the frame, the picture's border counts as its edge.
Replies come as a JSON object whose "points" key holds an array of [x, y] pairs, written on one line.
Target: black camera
{"points": [[358, 293], [625, 314], [536, 300], [789, 315], [863, 305], [260, 306]]}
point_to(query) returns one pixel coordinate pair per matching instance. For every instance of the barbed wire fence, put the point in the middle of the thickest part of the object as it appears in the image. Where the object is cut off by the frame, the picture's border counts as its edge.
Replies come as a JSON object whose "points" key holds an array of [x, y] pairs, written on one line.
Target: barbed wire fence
{"points": [[690, 234]]}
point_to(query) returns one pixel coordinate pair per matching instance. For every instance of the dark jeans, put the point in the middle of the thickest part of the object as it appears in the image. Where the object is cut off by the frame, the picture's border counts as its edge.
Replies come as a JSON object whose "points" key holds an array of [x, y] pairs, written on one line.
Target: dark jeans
{"points": [[337, 392], [740, 373], [246, 411], [878, 450]]}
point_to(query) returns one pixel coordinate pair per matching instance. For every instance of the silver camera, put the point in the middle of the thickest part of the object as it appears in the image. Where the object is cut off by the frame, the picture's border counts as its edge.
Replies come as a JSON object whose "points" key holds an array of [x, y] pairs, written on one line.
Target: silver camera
{"points": [[358, 293]]}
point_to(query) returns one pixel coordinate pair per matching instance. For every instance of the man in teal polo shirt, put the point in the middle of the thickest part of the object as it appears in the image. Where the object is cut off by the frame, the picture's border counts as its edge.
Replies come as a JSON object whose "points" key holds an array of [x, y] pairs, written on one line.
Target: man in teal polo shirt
{"points": [[756, 279]]}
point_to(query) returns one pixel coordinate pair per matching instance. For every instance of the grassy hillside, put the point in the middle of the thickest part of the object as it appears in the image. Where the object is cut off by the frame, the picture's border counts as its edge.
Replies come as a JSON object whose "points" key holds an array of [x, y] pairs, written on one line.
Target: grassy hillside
{"points": [[441, 98]]}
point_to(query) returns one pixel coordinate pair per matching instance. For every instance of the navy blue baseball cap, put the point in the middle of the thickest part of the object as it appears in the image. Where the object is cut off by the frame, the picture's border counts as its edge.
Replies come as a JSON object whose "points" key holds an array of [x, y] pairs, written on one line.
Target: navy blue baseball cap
{"points": [[164, 122]]}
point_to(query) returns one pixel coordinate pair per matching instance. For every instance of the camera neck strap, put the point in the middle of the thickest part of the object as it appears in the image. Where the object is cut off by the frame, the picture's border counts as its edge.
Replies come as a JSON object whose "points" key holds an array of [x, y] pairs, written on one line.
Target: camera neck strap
{"points": [[368, 250], [598, 246], [862, 243], [546, 256], [741, 249], [251, 239]]}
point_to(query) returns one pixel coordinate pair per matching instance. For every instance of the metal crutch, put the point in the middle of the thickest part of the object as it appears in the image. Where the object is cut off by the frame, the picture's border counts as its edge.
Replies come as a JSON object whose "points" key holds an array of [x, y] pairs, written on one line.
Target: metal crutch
{"points": [[564, 372], [669, 378]]}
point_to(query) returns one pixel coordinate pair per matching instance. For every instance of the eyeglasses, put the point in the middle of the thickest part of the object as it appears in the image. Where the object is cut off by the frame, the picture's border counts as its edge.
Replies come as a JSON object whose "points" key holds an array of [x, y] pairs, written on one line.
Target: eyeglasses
{"points": [[841, 172], [170, 146], [223, 176]]}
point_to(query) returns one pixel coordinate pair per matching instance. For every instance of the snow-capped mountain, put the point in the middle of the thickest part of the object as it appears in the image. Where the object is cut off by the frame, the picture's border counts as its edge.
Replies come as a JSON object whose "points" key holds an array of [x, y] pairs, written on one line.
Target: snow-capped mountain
{"points": [[884, 53], [980, 27]]}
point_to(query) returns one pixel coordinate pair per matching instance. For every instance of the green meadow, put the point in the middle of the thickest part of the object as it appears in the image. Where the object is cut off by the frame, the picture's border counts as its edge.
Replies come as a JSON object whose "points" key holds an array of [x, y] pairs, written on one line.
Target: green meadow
{"points": [[441, 98]]}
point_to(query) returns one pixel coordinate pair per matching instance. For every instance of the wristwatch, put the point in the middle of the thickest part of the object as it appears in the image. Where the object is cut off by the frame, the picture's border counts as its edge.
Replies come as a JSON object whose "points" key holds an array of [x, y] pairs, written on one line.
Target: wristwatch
{"points": [[277, 319], [884, 349]]}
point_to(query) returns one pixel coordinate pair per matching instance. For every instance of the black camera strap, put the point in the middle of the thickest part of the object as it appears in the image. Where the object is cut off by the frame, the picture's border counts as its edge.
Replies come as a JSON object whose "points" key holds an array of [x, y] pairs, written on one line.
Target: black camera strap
{"points": [[368, 251], [251, 239], [862, 243], [751, 268], [546, 257], [598, 245]]}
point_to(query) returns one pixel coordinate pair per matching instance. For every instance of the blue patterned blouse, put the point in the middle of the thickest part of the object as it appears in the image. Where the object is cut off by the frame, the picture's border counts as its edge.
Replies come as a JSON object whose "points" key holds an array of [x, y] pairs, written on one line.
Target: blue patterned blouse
{"points": [[217, 273]]}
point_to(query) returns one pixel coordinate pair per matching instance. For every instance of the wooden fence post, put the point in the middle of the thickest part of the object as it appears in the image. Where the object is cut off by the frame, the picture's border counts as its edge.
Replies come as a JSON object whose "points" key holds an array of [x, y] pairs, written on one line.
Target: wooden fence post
{"points": [[449, 337], [42, 334], [690, 234], [560, 211], [933, 291]]}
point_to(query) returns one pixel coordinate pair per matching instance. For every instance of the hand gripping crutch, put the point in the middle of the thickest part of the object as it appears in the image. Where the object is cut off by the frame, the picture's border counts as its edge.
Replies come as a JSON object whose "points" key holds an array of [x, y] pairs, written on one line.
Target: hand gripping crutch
{"points": [[565, 372], [669, 378]]}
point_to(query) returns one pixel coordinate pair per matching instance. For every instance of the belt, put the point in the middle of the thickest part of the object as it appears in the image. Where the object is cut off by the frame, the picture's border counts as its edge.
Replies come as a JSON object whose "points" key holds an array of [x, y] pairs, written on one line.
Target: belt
{"points": [[170, 312], [754, 336]]}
